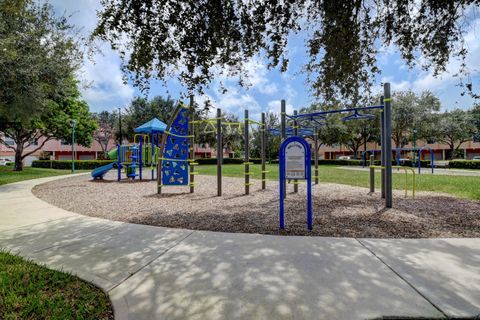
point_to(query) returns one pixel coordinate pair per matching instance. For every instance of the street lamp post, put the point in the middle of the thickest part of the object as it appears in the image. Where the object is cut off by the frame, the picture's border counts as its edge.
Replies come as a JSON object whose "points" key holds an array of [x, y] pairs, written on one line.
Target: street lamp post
{"points": [[72, 125], [120, 126]]}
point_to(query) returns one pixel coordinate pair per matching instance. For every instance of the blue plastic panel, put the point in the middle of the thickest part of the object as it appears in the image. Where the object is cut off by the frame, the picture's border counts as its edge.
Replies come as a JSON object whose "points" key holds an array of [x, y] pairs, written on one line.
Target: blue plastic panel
{"points": [[175, 169]]}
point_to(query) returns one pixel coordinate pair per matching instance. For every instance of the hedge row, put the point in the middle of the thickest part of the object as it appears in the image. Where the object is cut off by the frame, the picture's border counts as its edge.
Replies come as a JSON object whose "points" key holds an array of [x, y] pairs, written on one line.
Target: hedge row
{"points": [[67, 164], [464, 164]]}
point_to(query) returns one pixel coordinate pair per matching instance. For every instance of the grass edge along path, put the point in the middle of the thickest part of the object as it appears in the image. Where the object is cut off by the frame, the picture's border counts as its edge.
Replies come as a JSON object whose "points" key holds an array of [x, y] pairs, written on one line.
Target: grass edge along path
{"points": [[7, 175], [466, 187], [32, 291]]}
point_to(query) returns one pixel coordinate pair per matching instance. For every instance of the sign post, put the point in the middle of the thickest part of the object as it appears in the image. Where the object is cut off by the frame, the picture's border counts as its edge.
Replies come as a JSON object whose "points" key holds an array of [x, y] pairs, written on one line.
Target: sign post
{"points": [[295, 163]]}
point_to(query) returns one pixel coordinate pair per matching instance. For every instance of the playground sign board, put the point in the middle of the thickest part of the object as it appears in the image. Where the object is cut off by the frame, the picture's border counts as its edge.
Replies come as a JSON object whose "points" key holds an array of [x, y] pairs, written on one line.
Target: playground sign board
{"points": [[295, 167], [295, 163]]}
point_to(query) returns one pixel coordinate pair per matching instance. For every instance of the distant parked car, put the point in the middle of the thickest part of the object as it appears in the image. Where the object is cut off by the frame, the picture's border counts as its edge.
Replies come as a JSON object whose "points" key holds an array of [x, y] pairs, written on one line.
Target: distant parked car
{"points": [[3, 162], [476, 158], [403, 160], [344, 158]]}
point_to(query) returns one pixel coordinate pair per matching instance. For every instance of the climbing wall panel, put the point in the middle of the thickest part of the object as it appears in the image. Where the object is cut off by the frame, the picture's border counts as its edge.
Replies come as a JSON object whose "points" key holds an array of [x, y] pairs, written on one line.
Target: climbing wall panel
{"points": [[175, 156]]}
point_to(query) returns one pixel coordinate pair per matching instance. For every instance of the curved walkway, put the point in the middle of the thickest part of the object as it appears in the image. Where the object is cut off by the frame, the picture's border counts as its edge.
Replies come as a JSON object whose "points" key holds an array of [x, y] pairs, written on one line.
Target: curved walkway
{"points": [[159, 273]]}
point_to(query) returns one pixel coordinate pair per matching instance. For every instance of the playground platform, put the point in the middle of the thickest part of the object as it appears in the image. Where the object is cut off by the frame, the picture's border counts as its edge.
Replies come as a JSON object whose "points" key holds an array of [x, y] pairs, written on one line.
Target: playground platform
{"points": [[160, 273]]}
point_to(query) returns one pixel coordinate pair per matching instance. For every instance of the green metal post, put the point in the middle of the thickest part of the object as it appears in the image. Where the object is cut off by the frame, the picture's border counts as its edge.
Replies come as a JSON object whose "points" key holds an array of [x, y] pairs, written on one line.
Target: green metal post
{"points": [[72, 124], [372, 174]]}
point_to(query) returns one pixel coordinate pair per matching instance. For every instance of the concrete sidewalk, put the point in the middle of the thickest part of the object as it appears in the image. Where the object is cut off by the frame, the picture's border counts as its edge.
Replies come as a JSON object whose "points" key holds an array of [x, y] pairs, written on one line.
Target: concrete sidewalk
{"points": [[159, 273]]}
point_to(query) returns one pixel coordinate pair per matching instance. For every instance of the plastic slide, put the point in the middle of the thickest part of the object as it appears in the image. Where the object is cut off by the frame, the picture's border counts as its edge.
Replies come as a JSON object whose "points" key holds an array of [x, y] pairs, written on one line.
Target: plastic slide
{"points": [[100, 171]]}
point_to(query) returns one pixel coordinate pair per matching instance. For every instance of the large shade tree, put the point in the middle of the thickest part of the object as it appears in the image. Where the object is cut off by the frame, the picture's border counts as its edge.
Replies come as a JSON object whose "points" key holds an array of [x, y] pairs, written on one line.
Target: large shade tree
{"points": [[413, 112], [156, 38], [454, 128], [105, 133], [38, 91], [476, 121], [272, 141]]}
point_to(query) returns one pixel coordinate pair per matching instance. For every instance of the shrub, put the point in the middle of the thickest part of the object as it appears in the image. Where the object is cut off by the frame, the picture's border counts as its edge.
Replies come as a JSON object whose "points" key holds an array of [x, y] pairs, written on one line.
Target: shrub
{"points": [[206, 161], [67, 164], [464, 164]]}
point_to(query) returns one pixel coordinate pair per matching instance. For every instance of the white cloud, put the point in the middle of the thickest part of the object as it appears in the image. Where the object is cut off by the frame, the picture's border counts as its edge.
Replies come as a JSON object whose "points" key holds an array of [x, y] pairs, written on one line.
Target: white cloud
{"points": [[274, 106], [105, 87], [445, 84]]}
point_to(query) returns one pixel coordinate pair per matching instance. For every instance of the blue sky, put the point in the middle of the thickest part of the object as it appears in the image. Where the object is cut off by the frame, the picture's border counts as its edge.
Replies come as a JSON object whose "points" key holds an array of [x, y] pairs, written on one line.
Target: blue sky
{"points": [[107, 90]]}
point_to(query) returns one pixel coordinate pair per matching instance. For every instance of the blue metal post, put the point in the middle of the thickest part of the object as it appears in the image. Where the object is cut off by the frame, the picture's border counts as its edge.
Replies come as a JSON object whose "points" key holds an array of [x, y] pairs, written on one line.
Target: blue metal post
{"points": [[419, 160], [282, 193], [119, 165], [140, 156], [432, 156], [153, 154], [309, 189]]}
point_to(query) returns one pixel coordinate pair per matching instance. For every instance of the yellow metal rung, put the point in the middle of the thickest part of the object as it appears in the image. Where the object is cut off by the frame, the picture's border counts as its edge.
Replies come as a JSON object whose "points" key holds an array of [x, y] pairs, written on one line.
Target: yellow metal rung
{"points": [[248, 163], [193, 173], [248, 184], [264, 179], [192, 184], [265, 171], [294, 182], [248, 173]]}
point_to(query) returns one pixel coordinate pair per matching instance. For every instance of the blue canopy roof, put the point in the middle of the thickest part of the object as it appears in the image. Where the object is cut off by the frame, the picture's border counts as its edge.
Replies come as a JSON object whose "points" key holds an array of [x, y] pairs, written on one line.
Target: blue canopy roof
{"points": [[153, 125]]}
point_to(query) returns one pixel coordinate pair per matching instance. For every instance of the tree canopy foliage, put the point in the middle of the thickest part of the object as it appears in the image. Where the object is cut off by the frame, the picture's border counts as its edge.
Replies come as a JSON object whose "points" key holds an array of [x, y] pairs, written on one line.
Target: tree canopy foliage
{"points": [[413, 112], [38, 91], [157, 38], [107, 122], [454, 128]]}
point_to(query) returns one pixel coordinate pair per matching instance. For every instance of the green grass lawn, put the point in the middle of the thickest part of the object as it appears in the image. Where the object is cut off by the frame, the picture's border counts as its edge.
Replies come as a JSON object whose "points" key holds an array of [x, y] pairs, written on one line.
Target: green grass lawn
{"points": [[30, 291], [7, 175], [463, 187]]}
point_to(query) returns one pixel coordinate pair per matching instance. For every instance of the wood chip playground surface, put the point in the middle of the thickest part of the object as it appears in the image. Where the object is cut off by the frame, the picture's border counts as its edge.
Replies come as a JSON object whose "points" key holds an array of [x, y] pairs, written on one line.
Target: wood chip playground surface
{"points": [[339, 210]]}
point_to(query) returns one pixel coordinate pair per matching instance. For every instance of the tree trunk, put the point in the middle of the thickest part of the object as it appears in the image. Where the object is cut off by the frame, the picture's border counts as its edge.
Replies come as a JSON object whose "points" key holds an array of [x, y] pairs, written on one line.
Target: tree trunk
{"points": [[452, 151], [18, 158]]}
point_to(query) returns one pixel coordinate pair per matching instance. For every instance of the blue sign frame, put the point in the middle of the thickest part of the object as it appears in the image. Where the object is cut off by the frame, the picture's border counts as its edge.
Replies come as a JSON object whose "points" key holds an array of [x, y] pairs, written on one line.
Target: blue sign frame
{"points": [[308, 174]]}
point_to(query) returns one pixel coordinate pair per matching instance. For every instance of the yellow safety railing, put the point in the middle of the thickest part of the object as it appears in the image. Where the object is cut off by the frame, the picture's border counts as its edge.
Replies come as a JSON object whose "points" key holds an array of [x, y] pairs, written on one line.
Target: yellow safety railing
{"points": [[146, 138], [406, 177]]}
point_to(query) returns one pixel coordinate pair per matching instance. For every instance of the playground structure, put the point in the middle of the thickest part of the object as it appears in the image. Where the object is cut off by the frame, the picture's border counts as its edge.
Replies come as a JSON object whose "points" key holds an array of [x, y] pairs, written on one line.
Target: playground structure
{"points": [[134, 158], [373, 167], [317, 119], [172, 151], [177, 166]]}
